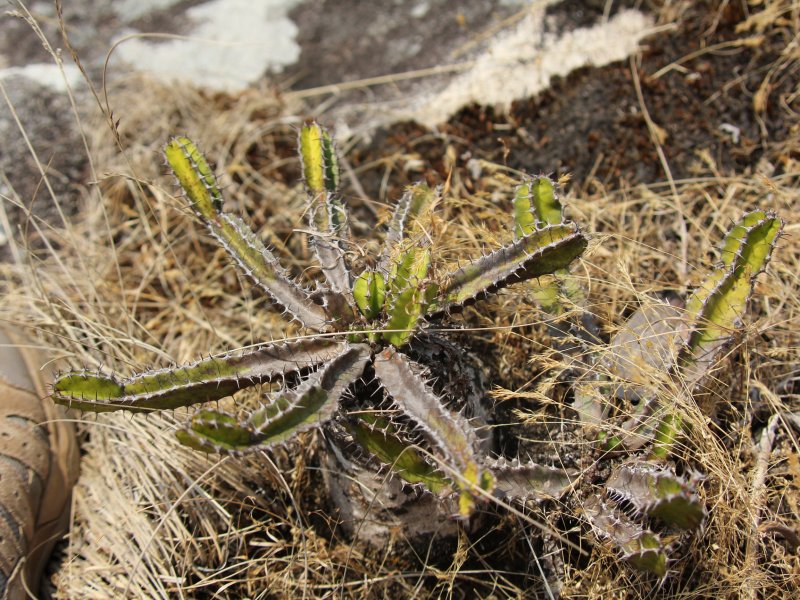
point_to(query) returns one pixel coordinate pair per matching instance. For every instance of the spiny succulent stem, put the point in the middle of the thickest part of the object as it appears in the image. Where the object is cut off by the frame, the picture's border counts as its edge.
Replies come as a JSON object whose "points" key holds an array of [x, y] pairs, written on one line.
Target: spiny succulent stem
{"points": [[198, 182], [205, 380], [314, 402], [541, 252], [451, 434]]}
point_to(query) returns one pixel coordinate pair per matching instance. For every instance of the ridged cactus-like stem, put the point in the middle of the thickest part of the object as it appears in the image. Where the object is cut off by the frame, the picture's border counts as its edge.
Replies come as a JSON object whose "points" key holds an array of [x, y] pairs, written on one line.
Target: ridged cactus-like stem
{"points": [[405, 298], [320, 164], [541, 252], [199, 184], [657, 492], [369, 291], [311, 404], [717, 306], [327, 214], [536, 205], [638, 545], [381, 439], [516, 480], [407, 225], [208, 379], [450, 434]]}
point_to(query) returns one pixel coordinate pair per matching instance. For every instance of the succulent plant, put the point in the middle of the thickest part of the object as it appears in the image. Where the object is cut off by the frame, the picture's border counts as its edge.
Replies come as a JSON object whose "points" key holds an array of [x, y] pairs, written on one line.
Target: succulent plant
{"points": [[660, 344], [361, 324], [364, 371], [664, 346]]}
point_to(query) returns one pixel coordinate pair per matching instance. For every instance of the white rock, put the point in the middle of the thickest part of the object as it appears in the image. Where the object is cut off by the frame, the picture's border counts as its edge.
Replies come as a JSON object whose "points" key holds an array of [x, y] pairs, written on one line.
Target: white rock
{"points": [[46, 74], [233, 44]]}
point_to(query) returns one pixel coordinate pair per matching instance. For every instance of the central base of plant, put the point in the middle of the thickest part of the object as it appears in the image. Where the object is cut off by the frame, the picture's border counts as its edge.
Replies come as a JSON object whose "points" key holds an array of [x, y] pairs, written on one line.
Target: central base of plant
{"points": [[376, 507], [379, 511]]}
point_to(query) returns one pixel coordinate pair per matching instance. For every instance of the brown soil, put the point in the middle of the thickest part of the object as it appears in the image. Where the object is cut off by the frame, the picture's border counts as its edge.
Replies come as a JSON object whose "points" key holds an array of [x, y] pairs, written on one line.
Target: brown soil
{"points": [[591, 123]]}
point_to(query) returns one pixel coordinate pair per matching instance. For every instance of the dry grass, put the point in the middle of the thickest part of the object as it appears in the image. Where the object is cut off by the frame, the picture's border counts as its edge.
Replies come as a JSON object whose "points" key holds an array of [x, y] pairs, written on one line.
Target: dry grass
{"points": [[133, 282]]}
